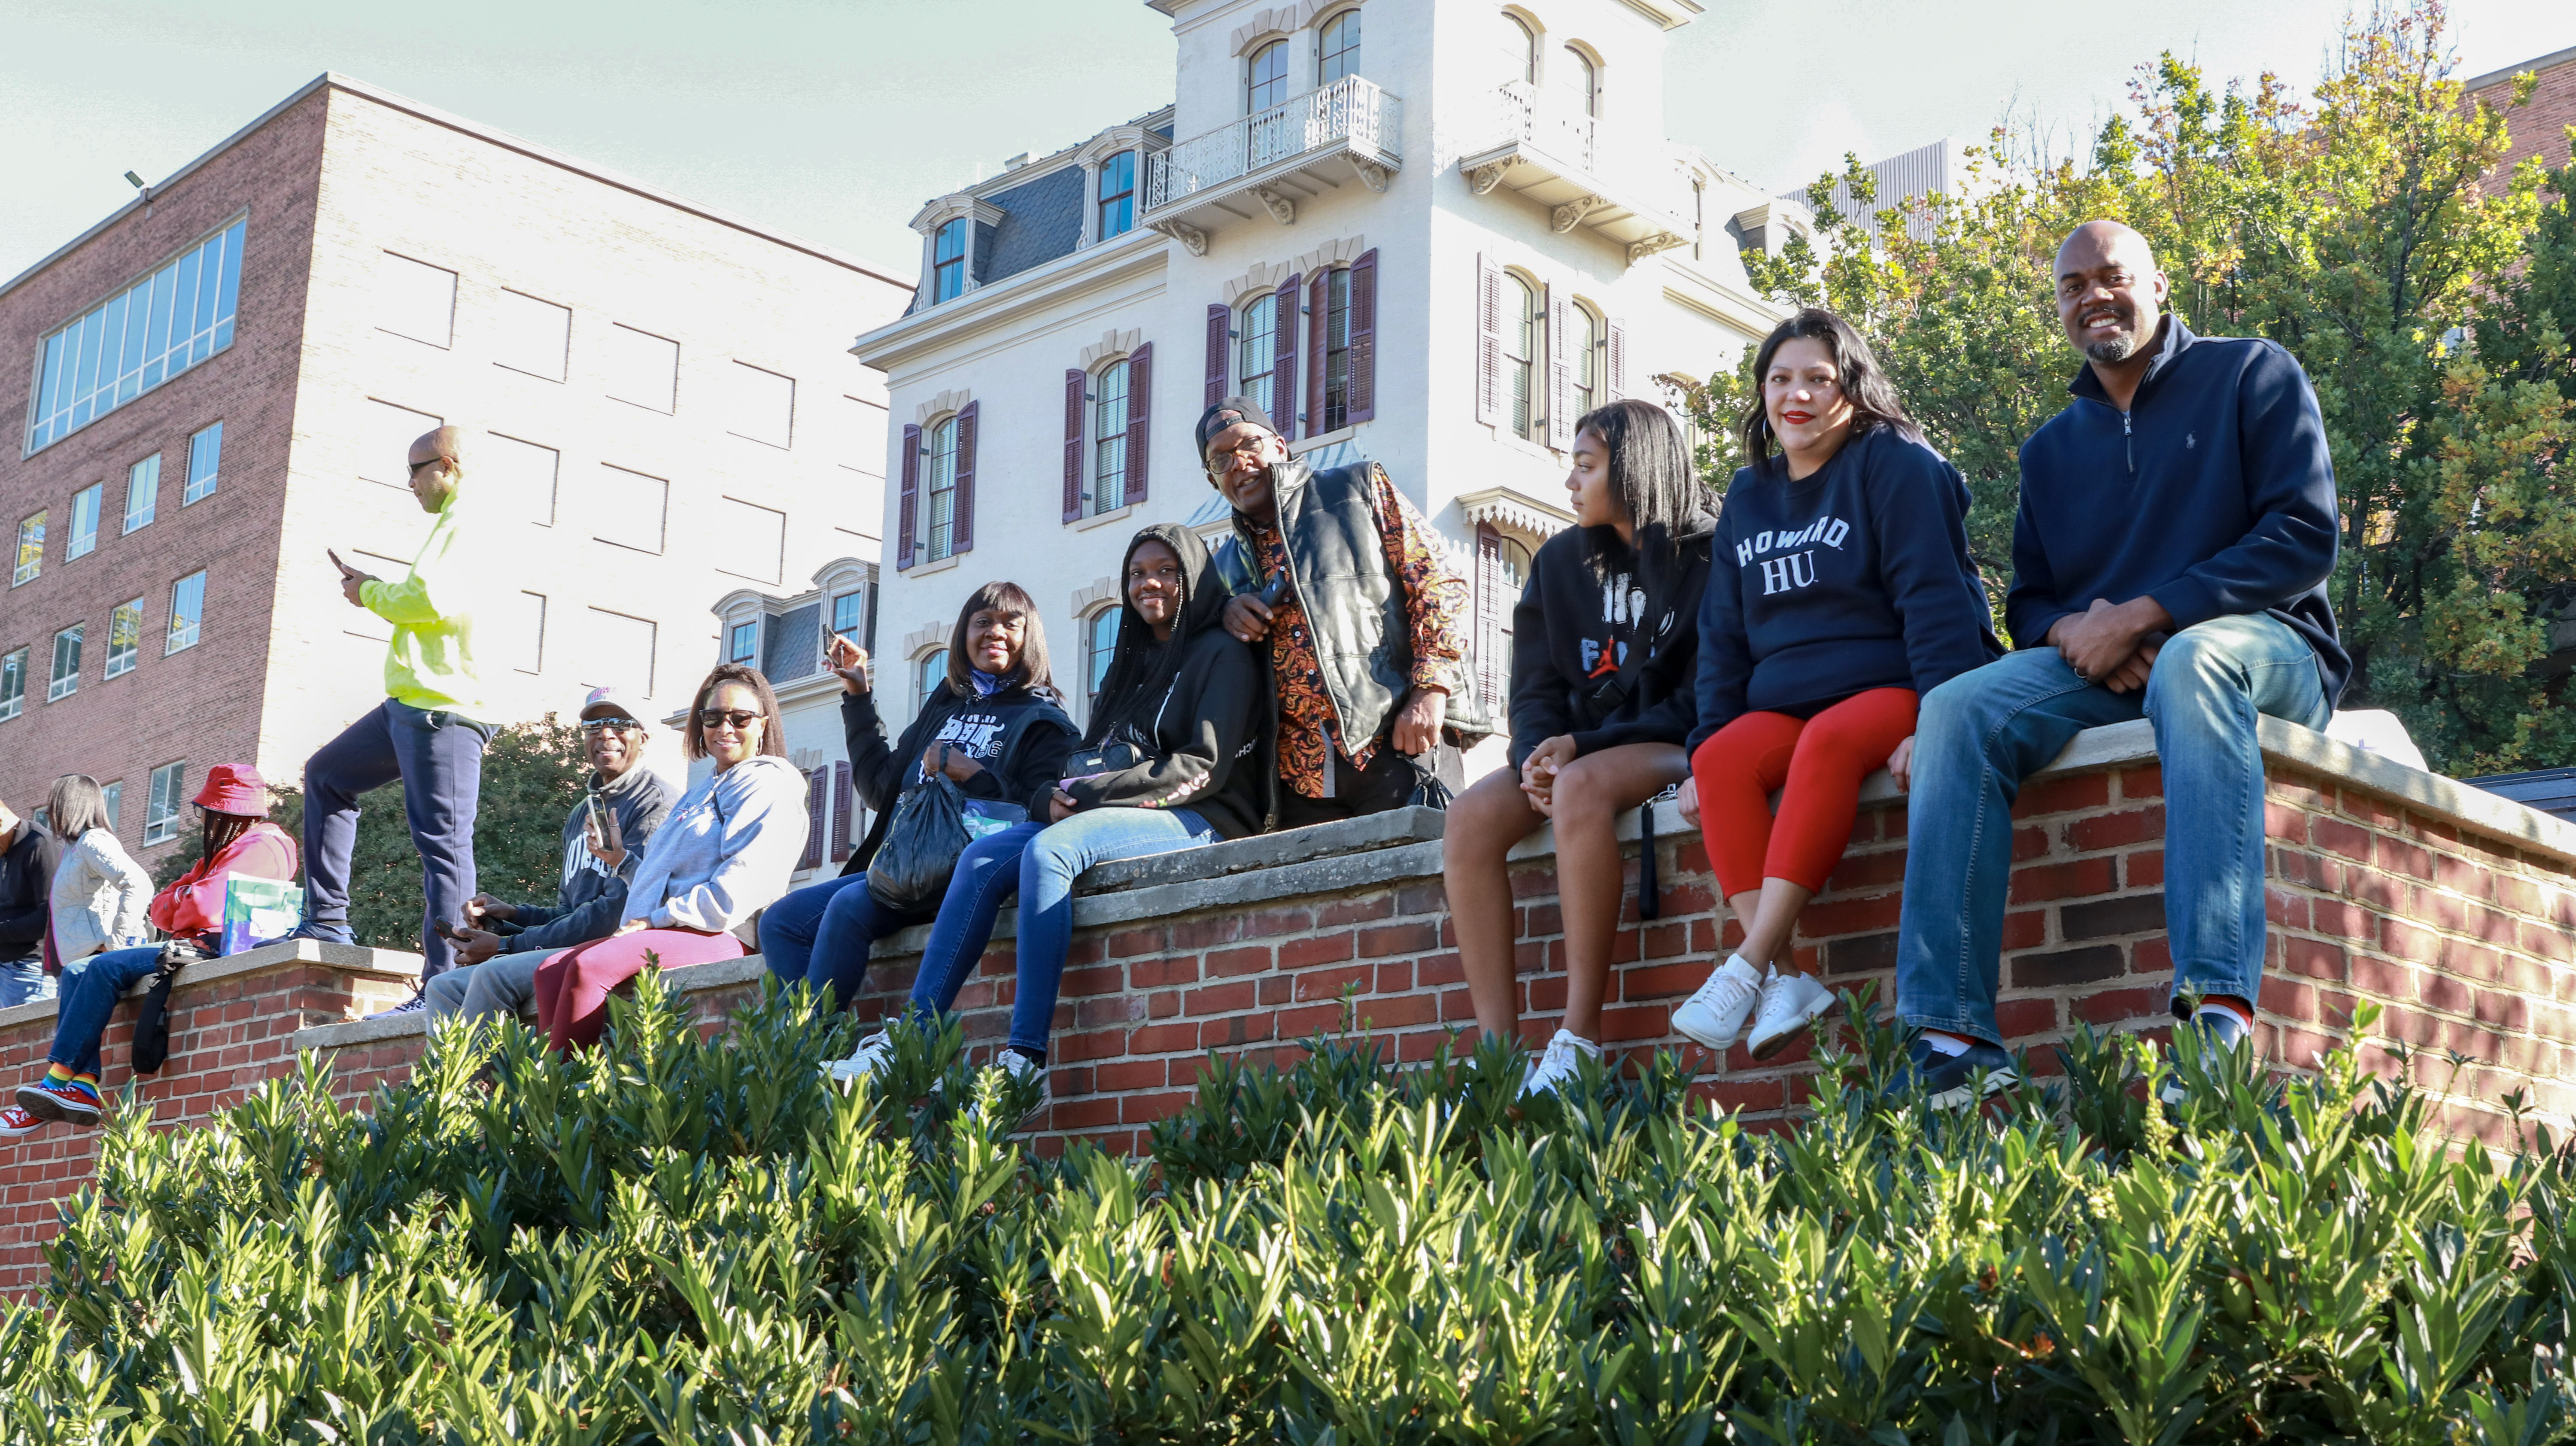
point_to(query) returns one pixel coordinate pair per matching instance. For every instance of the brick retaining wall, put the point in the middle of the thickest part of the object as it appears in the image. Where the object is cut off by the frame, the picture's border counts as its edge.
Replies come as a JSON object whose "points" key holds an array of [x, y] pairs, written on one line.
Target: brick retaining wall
{"points": [[2452, 908]]}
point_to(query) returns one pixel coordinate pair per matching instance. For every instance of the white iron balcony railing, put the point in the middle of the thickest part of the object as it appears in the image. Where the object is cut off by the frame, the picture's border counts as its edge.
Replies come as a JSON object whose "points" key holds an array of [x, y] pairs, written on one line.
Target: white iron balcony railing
{"points": [[1551, 150], [1552, 120], [1351, 113]]}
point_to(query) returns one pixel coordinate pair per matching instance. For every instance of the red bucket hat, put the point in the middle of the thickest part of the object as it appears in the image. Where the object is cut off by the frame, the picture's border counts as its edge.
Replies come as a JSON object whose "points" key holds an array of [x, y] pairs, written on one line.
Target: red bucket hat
{"points": [[234, 788]]}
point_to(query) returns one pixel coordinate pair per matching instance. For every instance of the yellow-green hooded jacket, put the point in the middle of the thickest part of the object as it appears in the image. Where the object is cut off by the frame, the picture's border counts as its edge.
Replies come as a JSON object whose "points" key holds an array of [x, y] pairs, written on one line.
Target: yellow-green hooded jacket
{"points": [[430, 664]]}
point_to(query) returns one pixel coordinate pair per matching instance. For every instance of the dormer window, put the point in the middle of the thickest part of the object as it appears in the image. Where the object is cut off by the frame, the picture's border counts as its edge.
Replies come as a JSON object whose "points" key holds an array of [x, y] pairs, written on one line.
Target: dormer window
{"points": [[948, 262], [1117, 195], [1265, 81], [742, 643], [1338, 48]]}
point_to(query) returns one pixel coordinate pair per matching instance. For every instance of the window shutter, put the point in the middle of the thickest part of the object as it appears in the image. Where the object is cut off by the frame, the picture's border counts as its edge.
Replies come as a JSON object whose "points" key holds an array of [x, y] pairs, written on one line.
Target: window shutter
{"points": [[1363, 384], [816, 780], [1560, 375], [1490, 407], [962, 532], [1073, 409], [1491, 666], [1140, 400], [909, 511], [844, 795], [1319, 311], [1618, 358], [1220, 352], [1283, 376]]}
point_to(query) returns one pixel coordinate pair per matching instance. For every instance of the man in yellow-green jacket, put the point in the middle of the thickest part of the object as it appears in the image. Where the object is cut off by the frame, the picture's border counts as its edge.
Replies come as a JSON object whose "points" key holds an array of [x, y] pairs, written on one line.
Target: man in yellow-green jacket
{"points": [[429, 732]]}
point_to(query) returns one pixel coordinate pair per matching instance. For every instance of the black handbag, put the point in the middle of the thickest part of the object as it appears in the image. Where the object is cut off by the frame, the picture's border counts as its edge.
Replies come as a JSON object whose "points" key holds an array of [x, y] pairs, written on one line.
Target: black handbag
{"points": [[1111, 757], [151, 1047], [1428, 790], [932, 826]]}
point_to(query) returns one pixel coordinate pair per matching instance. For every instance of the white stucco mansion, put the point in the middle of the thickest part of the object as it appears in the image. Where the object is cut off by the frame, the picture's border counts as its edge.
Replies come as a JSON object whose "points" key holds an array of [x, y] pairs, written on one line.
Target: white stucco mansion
{"points": [[1428, 232]]}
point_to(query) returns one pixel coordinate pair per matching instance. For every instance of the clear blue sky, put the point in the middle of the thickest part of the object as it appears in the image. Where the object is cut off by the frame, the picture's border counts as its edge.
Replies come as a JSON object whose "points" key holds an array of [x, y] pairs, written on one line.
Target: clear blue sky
{"points": [[836, 120]]}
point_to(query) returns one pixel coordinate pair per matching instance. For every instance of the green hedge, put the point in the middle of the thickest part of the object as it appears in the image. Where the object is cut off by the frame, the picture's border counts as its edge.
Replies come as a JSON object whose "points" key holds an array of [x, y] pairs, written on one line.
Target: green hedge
{"points": [[678, 1240]]}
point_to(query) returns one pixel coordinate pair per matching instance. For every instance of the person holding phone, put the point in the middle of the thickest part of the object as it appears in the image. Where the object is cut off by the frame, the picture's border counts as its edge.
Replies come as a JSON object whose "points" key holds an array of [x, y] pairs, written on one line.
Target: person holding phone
{"points": [[1605, 646], [431, 729], [993, 726], [1177, 755], [604, 837]]}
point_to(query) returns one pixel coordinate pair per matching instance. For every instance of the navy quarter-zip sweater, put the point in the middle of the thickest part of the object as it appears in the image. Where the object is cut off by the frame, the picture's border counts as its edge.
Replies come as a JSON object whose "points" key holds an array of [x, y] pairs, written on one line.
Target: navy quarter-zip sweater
{"points": [[1856, 577], [2213, 494]]}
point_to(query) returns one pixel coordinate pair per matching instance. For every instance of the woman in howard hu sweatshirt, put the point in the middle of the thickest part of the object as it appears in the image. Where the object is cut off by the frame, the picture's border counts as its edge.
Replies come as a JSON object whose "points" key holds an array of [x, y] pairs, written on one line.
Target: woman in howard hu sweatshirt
{"points": [[1603, 656], [1840, 593]]}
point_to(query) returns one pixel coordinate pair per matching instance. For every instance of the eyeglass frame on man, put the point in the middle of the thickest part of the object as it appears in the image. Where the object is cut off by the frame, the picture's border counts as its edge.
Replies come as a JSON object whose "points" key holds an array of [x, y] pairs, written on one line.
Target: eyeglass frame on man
{"points": [[619, 721], [1249, 447]]}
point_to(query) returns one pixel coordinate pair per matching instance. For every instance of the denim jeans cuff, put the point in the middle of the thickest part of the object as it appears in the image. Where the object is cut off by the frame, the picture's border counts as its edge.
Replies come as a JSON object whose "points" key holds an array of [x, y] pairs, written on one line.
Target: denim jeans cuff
{"points": [[1953, 1023]]}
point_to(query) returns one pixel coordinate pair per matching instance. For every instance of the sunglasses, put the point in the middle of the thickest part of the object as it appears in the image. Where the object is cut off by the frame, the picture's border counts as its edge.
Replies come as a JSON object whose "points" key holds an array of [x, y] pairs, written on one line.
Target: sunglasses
{"points": [[416, 466], [740, 718], [593, 725]]}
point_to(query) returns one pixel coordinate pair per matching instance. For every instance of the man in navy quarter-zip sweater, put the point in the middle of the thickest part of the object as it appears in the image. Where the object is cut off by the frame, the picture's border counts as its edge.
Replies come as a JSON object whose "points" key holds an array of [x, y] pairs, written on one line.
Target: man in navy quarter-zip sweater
{"points": [[2177, 529]]}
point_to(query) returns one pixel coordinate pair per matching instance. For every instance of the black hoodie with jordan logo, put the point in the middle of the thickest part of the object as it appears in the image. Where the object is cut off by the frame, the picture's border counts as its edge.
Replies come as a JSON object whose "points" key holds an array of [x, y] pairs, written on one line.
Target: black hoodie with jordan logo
{"points": [[1575, 632]]}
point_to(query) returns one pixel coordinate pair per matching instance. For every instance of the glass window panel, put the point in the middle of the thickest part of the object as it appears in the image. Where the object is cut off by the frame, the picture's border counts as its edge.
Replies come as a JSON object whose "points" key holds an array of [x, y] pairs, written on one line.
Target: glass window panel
{"points": [[743, 644], [1339, 51], [928, 672], [209, 290], [849, 615], [31, 550], [1117, 195], [124, 637], [939, 517], [1100, 640], [137, 339], [230, 277], [161, 812], [1109, 428], [165, 287], [67, 656], [1266, 81], [1256, 349], [13, 684], [183, 305], [205, 459], [113, 795], [187, 611], [84, 538]]}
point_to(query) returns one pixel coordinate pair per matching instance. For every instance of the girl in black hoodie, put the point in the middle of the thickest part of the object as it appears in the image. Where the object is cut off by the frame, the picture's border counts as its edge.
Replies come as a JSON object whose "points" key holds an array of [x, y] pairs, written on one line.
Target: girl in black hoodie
{"points": [[1178, 755], [1604, 653], [993, 726]]}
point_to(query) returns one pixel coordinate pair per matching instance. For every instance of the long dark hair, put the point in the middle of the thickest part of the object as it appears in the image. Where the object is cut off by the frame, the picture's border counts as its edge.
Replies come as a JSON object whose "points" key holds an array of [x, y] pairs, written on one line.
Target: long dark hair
{"points": [[773, 729], [77, 805], [1650, 470], [1864, 382], [1142, 667], [1029, 670]]}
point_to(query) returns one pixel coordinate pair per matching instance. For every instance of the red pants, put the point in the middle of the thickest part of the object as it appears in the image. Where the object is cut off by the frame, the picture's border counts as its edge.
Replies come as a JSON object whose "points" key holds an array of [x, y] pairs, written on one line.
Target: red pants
{"points": [[1817, 765], [573, 984]]}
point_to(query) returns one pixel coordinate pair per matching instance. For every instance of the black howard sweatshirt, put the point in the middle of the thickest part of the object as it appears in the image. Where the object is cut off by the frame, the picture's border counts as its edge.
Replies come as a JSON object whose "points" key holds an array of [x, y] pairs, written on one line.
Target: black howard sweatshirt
{"points": [[1019, 736], [1208, 751], [1572, 630], [1856, 577]]}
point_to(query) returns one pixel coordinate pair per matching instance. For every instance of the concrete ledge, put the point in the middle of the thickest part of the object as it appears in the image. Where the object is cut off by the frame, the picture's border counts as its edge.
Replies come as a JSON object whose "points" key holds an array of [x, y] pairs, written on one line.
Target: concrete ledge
{"points": [[348, 958], [689, 979]]}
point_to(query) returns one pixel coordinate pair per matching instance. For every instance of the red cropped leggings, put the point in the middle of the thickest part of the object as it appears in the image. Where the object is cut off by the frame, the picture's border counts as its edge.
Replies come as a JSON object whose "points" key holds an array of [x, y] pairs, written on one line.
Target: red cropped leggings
{"points": [[1817, 765], [573, 985]]}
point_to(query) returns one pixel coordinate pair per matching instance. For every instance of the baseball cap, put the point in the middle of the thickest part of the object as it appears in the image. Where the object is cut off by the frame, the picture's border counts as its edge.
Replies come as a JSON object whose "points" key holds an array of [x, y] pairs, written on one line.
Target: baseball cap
{"points": [[607, 702], [1225, 414]]}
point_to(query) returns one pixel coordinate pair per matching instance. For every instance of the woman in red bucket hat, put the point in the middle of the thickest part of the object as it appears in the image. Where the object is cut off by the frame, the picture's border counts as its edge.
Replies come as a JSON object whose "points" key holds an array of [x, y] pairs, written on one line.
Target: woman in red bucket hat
{"points": [[240, 842]]}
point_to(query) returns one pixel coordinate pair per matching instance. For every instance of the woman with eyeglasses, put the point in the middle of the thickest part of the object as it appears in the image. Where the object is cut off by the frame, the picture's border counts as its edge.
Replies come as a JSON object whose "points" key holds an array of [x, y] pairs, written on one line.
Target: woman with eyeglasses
{"points": [[1177, 755], [724, 852], [1841, 592], [993, 726]]}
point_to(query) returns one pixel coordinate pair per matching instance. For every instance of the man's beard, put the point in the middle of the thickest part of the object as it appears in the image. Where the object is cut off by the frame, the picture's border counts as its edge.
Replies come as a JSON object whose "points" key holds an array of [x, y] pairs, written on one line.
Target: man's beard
{"points": [[2118, 347]]}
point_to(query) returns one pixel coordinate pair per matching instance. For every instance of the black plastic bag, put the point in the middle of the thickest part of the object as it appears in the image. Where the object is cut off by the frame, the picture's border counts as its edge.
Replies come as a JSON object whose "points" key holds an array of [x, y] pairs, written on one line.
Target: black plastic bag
{"points": [[1428, 790], [932, 826]]}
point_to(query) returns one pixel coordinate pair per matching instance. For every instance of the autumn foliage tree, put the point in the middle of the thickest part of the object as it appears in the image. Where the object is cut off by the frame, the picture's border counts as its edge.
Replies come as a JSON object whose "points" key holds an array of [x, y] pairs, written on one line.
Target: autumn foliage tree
{"points": [[2361, 229]]}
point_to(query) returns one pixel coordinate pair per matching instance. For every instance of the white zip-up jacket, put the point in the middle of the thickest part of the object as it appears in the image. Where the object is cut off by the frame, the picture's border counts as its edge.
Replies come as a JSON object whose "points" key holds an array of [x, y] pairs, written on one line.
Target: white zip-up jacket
{"points": [[99, 897]]}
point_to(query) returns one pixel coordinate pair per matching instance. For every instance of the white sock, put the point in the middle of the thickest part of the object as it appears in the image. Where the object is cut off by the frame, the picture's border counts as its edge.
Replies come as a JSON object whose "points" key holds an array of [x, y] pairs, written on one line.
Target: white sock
{"points": [[2226, 1011], [1585, 1045], [1944, 1042]]}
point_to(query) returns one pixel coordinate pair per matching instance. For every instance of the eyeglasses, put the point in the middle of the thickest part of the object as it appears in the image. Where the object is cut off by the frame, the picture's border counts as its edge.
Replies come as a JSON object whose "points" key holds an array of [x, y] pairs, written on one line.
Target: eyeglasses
{"points": [[593, 725], [740, 718], [416, 466], [1249, 447]]}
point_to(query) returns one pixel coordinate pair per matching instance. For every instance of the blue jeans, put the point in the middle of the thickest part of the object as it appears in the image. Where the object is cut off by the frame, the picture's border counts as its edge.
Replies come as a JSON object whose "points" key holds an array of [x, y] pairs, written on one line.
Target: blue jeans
{"points": [[439, 758], [1038, 862], [24, 983], [89, 997], [1983, 732], [819, 935]]}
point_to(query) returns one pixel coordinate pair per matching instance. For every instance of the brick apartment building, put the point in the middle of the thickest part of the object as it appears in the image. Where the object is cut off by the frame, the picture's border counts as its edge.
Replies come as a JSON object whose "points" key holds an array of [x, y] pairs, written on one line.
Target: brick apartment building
{"points": [[223, 377], [2539, 126]]}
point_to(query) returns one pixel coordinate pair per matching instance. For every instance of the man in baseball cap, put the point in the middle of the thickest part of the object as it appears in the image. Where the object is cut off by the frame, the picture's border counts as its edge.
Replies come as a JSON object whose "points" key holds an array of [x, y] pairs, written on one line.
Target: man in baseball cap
{"points": [[603, 839]]}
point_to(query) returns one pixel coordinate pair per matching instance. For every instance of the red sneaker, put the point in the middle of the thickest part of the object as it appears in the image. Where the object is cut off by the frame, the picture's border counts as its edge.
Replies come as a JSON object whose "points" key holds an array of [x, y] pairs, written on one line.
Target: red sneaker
{"points": [[15, 1122], [69, 1101]]}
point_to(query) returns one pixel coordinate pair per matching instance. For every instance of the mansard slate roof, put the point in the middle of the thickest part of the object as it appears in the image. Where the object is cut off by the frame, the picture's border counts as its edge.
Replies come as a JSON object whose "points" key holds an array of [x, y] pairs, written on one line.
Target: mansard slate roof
{"points": [[1041, 205]]}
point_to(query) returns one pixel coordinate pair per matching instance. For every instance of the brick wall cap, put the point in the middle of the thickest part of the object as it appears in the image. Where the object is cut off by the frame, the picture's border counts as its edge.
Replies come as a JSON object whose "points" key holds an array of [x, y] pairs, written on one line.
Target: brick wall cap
{"points": [[688, 979], [348, 958]]}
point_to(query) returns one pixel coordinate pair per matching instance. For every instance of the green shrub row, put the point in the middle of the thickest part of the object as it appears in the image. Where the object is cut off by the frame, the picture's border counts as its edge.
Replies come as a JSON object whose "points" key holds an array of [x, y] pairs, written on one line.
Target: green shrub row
{"points": [[697, 1241]]}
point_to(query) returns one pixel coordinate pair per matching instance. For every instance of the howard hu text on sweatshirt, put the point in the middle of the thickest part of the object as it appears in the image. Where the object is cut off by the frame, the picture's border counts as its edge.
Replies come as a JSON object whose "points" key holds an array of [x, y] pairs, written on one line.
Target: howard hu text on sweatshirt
{"points": [[1855, 577]]}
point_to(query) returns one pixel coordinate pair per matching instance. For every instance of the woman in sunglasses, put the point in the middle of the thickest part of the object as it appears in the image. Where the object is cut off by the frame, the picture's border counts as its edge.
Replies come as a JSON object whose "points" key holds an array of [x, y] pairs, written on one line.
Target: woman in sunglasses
{"points": [[1178, 755], [723, 853], [993, 725]]}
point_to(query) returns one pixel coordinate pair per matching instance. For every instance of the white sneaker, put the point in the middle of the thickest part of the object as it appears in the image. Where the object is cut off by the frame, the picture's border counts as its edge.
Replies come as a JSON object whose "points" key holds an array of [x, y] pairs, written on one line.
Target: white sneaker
{"points": [[1558, 1066], [1790, 1003], [1715, 1013], [871, 1055]]}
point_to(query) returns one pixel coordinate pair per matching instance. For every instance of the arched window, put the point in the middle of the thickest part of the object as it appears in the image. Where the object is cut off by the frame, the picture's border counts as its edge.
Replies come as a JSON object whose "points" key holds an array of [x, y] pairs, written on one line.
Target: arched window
{"points": [[1099, 642], [928, 672], [1117, 195], [1519, 49], [1583, 357], [1265, 80], [1338, 48], [1256, 350], [1582, 81], [1109, 438], [1521, 329], [1337, 349], [948, 262], [939, 518]]}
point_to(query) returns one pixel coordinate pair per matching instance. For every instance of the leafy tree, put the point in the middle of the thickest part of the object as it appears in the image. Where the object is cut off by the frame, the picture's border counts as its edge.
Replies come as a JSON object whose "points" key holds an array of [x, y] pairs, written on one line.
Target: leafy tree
{"points": [[2357, 231], [533, 774]]}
